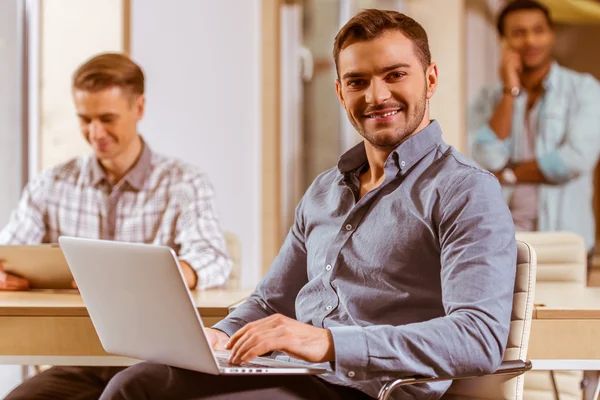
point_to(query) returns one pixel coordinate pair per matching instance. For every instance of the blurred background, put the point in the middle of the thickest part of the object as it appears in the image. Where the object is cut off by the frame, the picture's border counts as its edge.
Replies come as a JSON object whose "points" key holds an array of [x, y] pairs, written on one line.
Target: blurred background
{"points": [[242, 88]]}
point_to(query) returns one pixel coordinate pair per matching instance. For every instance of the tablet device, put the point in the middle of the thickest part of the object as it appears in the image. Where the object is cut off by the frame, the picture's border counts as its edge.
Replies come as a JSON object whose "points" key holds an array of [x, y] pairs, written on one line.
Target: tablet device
{"points": [[44, 265]]}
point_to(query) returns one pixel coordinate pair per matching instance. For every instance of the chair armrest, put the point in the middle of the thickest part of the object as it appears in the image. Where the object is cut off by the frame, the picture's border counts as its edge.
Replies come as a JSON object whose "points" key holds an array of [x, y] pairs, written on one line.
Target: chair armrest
{"points": [[516, 367]]}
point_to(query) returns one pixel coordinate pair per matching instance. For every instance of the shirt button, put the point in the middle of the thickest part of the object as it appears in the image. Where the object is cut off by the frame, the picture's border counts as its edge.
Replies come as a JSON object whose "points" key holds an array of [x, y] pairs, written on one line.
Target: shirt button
{"points": [[402, 163], [328, 267], [329, 308], [348, 227], [351, 374]]}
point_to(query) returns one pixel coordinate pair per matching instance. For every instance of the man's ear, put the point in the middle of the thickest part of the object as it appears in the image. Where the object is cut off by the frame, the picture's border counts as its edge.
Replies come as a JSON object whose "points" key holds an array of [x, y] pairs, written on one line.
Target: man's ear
{"points": [[431, 77], [140, 105], [338, 90]]}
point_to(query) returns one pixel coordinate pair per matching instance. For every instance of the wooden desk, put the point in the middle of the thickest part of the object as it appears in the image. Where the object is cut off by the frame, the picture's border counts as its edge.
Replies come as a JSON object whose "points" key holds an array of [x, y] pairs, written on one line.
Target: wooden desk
{"points": [[55, 328], [566, 325], [46, 327]]}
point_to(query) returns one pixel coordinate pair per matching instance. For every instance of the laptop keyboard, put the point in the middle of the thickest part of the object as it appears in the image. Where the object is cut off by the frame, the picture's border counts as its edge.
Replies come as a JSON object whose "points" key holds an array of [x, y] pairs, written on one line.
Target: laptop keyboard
{"points": [[223, 362]]}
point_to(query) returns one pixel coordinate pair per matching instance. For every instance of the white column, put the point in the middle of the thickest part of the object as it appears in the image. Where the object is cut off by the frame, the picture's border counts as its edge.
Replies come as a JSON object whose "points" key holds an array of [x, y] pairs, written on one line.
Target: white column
{"points": [[71, 32], [444, 21], [203, 67]]}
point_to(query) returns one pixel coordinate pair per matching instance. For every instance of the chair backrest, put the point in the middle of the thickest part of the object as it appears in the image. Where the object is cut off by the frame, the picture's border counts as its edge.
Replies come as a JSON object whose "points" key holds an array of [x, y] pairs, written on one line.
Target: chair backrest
{"points": [[496, 387], [561, 256], [234, 248]]}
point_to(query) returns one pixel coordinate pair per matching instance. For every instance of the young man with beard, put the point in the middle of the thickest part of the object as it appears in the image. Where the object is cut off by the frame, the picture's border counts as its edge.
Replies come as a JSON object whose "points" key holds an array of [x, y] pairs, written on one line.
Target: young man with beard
{"points": [[539, 130], [400, 262]]}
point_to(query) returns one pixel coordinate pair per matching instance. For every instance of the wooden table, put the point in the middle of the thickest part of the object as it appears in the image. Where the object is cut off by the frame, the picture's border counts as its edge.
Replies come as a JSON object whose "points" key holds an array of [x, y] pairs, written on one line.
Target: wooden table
{"points": [[565, 330], [53, 327]]}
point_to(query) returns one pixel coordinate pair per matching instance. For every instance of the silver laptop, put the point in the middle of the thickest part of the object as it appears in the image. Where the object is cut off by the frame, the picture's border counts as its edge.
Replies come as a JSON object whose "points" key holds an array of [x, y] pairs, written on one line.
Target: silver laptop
{"points": [[141, 307]]}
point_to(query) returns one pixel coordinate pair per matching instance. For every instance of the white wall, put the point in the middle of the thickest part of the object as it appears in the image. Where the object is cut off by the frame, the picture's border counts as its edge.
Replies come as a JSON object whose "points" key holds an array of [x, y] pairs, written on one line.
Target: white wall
{"points": [[203, 68], [71, 32], [10, 109], [483, 50], [11, 150]]}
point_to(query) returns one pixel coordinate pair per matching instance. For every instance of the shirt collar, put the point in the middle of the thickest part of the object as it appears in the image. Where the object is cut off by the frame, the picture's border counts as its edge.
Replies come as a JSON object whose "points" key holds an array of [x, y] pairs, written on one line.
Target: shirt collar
{"points": [[551, 80], [407, 154], [135, 177]]}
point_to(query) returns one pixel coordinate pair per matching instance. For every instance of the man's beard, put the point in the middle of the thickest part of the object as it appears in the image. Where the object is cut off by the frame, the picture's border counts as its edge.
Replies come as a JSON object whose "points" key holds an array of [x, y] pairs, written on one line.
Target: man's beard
{"points": [[413, 120], [539, 65]]}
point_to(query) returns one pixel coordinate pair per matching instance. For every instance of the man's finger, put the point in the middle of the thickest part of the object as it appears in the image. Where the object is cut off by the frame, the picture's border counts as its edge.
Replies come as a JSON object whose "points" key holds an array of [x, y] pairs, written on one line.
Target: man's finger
{"points": [[234, 346], [240, 333], [16, 283], [255, 328], [249, 339], [237, 335], [245, 342], [257, 344], [272, 340], [255, 351], [268, 321], [251, 347]]}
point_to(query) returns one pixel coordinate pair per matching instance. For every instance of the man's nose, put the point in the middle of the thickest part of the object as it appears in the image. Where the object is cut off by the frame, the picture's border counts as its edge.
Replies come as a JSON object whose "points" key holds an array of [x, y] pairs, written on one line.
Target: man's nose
{"points": [[378, 92], [97, 130]]}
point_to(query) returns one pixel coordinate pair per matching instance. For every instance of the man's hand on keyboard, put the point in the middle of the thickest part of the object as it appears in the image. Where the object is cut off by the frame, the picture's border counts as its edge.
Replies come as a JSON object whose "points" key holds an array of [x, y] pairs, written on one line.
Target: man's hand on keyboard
{"points": [[217, 339], [278, 332]]}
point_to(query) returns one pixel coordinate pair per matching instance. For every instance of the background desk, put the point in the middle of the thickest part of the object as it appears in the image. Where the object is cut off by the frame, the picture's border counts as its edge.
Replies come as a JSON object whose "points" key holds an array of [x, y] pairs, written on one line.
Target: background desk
{"points": [[566, 325], [55, 328]]}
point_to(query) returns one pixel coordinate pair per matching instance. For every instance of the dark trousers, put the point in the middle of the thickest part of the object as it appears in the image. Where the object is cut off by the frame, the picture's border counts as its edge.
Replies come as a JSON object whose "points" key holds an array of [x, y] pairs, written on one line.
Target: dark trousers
{"points": [[147, 381], [65, 383], [155, 381]]}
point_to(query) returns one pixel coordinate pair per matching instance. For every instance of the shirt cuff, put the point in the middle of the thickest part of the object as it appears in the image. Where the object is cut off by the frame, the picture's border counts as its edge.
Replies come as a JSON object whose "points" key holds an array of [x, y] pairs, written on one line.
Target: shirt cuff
{"points": [[553, 167], [490, 152], [351, 353], [229, 327], [486, 135], [211, 272]]}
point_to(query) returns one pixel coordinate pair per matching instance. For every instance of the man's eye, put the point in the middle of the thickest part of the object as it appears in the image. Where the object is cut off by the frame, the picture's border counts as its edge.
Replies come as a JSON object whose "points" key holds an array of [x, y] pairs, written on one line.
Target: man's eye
{"points": [[396, 75], [356, 82]]}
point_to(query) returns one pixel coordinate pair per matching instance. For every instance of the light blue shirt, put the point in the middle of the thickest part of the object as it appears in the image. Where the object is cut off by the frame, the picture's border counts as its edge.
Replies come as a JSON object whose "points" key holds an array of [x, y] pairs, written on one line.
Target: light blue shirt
{"points": [[566, 146]]}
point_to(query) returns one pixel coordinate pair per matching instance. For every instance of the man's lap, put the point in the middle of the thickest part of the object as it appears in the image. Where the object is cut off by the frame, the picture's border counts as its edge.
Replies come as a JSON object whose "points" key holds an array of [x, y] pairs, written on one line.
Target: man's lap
{"points": [[60, 383], [147, 381]]}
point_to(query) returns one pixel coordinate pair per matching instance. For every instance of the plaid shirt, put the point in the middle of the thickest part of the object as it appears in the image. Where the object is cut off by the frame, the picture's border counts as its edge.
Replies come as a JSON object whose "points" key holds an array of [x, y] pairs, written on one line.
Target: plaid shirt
{"points": [[160, 201]]}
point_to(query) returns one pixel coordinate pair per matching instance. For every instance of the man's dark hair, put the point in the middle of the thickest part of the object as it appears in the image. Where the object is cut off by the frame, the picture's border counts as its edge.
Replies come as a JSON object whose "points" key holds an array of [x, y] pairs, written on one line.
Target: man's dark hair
{"points": [[371, 23], [518, 5]]}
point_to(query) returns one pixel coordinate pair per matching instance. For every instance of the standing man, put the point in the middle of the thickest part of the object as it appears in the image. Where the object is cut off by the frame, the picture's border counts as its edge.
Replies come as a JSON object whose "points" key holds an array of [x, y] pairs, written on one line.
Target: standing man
{"points": [[400, 262], [539, 131], [122, 191]]}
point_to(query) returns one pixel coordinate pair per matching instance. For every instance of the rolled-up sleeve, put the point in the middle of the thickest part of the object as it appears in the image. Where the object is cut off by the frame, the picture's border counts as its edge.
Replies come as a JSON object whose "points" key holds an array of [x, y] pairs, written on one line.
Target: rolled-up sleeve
{"points": [[579, 151], [199, 238], [478, 265], [486, 149], [26, 224]]}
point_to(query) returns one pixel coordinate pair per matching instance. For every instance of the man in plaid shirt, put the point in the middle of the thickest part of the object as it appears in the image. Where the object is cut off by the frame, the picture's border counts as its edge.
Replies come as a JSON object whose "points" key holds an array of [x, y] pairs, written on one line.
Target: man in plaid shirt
{"points": [[124, 192]]}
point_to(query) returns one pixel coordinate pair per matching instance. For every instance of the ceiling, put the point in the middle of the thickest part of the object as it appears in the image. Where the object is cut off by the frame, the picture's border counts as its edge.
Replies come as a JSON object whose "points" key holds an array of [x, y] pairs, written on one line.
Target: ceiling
{"points": [[574, 11]]}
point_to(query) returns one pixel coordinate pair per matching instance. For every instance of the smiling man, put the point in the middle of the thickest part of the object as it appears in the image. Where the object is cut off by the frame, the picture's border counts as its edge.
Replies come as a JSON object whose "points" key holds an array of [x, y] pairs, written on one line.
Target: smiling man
{"points": [[400, 262], [123, 191], [539, 130]]}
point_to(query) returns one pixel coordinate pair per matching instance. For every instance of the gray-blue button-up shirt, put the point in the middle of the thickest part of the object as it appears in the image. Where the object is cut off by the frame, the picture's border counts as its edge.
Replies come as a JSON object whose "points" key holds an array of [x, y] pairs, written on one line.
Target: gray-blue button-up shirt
{"points": [[414, 278]]}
